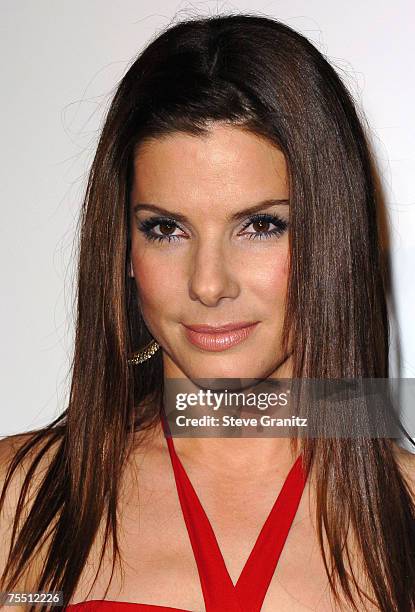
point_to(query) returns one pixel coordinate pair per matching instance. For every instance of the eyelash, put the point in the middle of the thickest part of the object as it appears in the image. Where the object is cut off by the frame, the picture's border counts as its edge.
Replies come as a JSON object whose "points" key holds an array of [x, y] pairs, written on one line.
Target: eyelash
{"points": [[147, 226]]}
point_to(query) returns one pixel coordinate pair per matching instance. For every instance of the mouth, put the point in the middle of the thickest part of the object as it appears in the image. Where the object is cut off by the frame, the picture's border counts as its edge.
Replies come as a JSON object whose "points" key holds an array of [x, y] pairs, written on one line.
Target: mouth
{"points": [[219, 338]]}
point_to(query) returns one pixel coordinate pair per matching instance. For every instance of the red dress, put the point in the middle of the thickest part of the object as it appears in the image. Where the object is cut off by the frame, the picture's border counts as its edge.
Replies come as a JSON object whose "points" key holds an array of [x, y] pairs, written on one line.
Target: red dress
{"points": [[219, 593]]}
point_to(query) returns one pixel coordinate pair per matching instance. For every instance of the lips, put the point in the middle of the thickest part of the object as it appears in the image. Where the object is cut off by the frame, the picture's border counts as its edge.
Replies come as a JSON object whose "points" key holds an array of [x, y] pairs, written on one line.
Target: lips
{"points": [[219, 338], [218, 328]]}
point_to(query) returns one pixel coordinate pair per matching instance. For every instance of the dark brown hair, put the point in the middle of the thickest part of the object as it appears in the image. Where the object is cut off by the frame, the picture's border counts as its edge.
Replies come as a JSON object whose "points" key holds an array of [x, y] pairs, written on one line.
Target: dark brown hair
{"points": [[259, 74]]}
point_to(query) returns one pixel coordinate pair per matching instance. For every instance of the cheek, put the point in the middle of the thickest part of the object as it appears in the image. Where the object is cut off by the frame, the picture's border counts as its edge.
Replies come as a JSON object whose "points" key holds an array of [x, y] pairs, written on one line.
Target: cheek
{"points": [[269, 277], [156, 281]]}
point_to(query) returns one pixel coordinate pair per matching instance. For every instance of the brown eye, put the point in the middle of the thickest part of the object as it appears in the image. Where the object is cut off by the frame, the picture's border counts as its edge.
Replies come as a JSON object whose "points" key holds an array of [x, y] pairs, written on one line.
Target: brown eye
{"points": [[261, 225], [265, 226], [170, 227], [159, 229]]}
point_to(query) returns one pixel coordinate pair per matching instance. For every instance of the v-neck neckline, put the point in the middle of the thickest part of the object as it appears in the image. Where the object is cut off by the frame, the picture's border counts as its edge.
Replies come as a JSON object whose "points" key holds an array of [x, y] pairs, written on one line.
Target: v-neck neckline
{"points": [[249, 592]]}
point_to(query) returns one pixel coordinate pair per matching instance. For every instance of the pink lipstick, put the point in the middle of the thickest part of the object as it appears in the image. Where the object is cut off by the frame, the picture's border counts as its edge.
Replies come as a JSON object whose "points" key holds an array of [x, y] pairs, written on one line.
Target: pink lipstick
{"points": [[220, 337]]}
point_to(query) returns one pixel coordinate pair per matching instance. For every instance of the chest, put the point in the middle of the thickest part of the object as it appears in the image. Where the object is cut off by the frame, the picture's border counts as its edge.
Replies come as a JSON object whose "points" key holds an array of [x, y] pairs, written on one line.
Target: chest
{"points": [[159, 566]]}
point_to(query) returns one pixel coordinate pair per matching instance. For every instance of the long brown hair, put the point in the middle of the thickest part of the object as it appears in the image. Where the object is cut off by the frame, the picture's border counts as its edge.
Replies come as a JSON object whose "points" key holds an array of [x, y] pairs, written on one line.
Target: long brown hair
{"points": [[257, 73]]}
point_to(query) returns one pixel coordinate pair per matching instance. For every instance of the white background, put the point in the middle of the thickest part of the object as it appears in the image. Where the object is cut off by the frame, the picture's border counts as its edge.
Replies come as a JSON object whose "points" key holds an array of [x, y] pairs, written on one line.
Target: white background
{"points": [[60, 64]]}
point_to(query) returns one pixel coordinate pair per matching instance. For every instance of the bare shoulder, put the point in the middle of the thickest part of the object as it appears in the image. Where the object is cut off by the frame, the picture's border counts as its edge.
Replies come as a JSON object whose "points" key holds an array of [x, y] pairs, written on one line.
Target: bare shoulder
{"points": [[11, 484], [406, 463], [10, 446]]}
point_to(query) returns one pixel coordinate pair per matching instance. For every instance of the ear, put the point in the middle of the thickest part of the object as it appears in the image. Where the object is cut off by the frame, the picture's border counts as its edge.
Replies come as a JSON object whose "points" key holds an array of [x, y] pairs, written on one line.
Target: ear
{"points": [[131, 271]]}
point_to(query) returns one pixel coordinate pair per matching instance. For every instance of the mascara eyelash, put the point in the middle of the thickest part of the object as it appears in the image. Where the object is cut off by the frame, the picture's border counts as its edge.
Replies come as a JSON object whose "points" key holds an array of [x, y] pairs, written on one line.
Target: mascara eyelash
{"points": [[280, 226], [147, 226]]}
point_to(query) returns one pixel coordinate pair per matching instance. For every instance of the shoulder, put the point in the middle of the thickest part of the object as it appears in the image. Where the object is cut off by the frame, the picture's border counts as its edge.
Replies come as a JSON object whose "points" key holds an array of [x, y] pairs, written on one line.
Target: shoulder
{"points": [[406, 463], [11, 486], [10, 449]]}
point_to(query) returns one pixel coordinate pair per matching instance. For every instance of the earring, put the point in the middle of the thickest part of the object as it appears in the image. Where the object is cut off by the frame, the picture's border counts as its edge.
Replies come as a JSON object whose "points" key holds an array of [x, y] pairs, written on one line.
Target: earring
{"points": [[145, 353]]}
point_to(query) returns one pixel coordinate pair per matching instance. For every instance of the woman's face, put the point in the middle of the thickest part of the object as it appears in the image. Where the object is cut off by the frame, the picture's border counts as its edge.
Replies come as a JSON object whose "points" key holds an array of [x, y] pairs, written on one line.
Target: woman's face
{"points": [[200, 258]]}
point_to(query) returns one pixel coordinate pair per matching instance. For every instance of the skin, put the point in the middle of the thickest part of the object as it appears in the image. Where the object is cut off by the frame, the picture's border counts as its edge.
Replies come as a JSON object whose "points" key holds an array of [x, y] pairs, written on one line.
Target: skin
{"points": [[214, 273]]}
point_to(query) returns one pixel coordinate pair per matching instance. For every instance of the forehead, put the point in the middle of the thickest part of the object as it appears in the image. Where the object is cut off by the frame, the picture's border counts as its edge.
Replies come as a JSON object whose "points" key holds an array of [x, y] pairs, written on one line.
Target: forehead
{"points": [[226, 164]]}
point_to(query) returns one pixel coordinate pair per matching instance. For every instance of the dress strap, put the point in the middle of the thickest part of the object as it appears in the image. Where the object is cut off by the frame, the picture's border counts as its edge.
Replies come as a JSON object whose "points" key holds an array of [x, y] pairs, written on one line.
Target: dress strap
{"points": [[218, 590]]}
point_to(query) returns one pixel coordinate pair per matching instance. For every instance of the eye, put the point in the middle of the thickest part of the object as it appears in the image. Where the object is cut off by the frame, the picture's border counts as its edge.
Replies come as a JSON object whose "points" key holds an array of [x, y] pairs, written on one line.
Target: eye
{"points": [[265, 226], [167, 227]]}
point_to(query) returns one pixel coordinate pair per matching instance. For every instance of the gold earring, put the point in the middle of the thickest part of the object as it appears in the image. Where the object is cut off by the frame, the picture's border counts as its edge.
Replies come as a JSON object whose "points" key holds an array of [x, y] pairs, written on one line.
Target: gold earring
{"points": [[144, 354]]}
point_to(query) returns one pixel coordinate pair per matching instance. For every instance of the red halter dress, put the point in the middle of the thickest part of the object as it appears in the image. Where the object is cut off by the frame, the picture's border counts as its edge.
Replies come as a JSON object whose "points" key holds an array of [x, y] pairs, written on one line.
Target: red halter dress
{"points": [[219, 593]]}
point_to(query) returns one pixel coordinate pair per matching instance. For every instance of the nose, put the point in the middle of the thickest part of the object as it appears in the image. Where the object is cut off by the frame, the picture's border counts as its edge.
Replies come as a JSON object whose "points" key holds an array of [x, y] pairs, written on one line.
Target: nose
{"points": [[212, 275]]}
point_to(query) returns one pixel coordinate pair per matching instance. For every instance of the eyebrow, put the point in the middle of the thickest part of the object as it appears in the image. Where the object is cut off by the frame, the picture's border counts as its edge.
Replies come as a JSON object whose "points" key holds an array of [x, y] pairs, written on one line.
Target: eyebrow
{"points": [[264, 204]]}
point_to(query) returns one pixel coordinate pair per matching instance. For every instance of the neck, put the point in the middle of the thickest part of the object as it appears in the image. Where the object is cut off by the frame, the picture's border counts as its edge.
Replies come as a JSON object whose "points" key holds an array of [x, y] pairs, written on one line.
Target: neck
{"points": [[217, 448], [243, 458]]}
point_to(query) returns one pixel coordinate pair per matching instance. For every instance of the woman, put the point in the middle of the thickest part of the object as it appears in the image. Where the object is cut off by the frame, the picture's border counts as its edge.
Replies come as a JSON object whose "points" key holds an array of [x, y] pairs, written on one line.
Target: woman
{"points": [[232, 184]]}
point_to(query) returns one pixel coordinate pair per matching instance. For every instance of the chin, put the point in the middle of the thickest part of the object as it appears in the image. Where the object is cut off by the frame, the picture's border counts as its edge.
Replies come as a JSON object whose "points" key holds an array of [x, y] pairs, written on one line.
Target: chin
{"points": [[226, 370]]}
